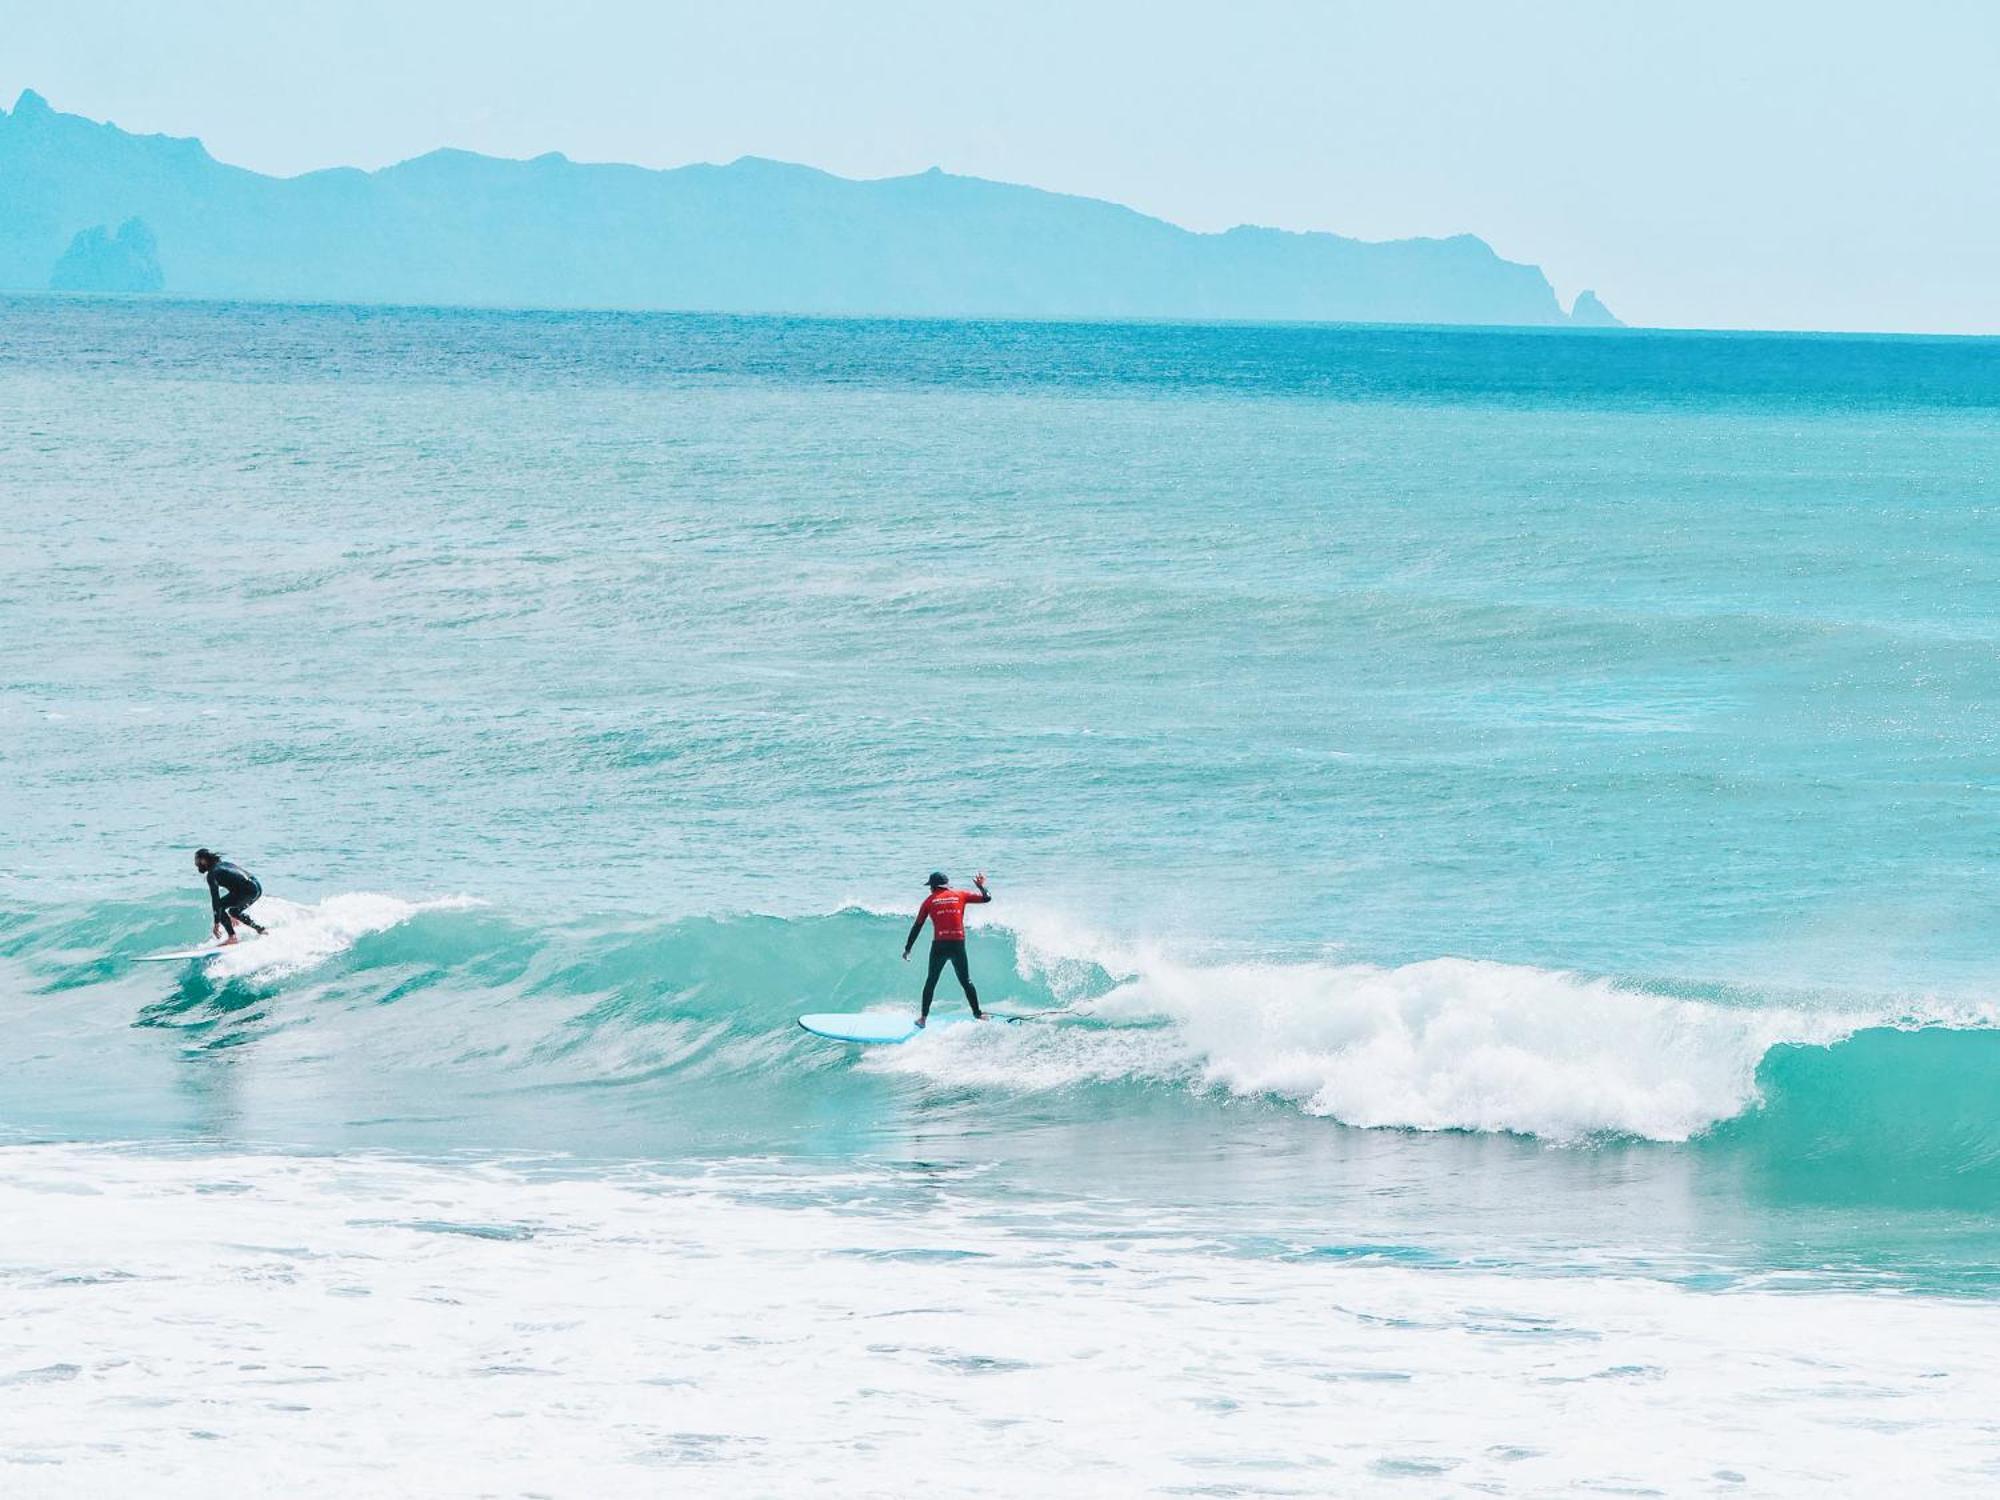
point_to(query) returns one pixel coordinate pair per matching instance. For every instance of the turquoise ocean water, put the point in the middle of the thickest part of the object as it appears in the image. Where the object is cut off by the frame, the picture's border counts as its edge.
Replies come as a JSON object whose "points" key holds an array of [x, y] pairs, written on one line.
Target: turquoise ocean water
{"points": [[1504, 804]]}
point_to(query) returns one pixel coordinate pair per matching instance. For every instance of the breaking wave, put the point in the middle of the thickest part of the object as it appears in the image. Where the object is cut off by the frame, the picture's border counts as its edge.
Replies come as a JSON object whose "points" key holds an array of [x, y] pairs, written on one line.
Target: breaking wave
{"points": [[699, 1012]]}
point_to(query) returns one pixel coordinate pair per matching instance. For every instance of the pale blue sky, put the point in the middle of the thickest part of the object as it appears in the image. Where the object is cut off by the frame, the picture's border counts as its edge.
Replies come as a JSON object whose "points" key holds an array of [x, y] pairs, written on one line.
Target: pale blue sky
{"points": [[1757, 164]]}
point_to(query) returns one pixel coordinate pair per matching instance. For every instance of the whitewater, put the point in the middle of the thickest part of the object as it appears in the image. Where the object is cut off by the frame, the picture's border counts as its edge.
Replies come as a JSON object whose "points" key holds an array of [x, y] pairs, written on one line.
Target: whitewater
{"points": [[1500, 825]]}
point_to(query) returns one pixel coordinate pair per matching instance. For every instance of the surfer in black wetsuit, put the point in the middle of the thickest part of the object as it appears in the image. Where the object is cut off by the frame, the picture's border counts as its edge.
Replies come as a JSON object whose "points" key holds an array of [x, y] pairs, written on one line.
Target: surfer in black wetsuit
{"points": [[231, 889]]}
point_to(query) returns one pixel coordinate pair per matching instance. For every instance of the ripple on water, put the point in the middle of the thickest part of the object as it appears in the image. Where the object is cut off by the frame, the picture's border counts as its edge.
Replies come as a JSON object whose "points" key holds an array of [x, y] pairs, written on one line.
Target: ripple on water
{"points": [[43, 1375], [509, 1232]]}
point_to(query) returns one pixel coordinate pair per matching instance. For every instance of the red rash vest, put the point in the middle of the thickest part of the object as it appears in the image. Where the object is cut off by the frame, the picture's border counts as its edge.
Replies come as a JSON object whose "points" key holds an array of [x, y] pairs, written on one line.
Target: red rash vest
{"points": [[946, 909]]}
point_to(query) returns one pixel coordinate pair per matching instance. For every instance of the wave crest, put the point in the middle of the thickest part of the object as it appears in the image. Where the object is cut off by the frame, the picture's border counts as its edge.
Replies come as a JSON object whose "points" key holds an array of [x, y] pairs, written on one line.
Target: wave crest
{"points": [[299, 937], [1457, 1044]]}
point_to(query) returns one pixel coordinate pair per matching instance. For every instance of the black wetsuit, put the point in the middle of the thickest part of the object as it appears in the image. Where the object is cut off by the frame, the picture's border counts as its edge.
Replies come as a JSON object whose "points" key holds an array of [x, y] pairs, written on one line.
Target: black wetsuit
{"points": [[949, 951], [231, 889]]}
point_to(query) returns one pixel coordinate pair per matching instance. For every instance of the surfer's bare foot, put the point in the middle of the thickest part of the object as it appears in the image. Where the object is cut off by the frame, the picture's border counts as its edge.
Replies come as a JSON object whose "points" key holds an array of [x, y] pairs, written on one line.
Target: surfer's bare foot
{"points": [[228, 942]]}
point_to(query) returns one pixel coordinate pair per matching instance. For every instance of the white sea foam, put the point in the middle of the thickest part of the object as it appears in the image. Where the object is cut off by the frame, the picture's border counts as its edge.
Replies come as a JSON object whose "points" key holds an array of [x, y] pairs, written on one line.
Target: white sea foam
{"points": [[1454, 1044], [1447, 1044], [301, 936], [177, 1325]]}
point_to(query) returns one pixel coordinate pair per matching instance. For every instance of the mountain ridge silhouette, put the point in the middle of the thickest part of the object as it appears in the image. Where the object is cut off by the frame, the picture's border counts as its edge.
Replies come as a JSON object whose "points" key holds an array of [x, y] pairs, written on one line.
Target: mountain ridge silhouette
{"points": [[754, 235]]}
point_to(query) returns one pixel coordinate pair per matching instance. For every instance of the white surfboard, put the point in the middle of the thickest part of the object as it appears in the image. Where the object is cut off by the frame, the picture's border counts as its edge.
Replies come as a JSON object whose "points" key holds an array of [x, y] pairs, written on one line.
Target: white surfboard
{"points": [[888, 1027], [182, 955]]}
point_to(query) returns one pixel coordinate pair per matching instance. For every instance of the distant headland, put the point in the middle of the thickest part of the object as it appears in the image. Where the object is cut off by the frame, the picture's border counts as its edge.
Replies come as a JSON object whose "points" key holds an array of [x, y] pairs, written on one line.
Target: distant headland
{"points": [[85, 206]]}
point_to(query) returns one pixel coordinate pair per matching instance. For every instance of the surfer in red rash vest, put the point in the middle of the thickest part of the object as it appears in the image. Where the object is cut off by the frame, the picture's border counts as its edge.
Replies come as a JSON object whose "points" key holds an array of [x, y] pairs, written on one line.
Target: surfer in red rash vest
{"points": [[944, 909]]}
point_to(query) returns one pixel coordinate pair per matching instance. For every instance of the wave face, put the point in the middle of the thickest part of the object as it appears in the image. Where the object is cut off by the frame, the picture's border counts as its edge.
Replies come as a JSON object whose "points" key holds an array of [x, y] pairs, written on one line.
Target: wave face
{"points": [[351, 997]]}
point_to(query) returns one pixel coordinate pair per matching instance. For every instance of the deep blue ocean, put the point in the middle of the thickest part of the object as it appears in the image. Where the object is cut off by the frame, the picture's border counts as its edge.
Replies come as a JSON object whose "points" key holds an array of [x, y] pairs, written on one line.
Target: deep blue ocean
{"points": [[1503, 804]]}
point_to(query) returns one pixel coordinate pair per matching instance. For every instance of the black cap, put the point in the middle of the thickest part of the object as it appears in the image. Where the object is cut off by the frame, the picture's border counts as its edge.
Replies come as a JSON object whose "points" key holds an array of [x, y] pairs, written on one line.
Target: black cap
{"points": [[937, 879]]}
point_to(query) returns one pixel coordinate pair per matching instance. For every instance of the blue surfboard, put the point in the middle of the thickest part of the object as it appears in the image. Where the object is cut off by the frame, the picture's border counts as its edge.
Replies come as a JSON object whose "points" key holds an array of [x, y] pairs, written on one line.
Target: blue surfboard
{"points": [[887, 1027]]}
